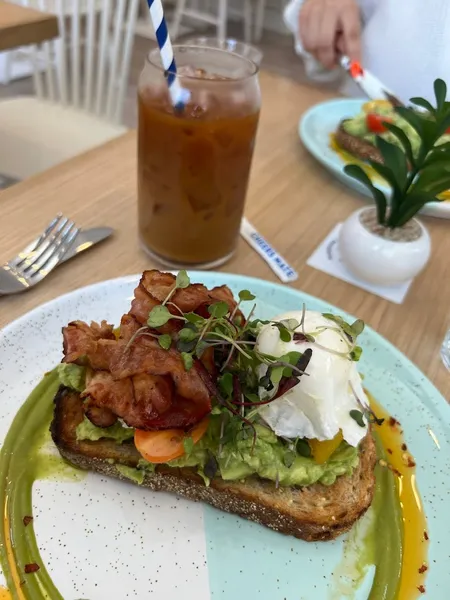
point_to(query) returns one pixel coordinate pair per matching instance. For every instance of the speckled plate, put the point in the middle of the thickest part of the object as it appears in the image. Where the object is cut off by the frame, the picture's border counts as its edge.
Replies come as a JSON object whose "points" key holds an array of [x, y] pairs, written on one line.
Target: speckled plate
{"points": [[315, 128], [103, 539]]}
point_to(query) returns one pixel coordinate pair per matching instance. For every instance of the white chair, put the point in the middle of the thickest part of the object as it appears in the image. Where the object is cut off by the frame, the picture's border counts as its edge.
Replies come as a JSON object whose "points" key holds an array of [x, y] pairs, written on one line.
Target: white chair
{"points": [[192, 10], [80, 81]]}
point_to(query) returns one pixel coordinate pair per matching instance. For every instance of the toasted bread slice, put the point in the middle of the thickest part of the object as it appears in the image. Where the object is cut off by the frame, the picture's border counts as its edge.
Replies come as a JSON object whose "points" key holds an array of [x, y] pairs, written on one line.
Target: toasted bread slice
{"points": [[356, 146], [316, 512]]}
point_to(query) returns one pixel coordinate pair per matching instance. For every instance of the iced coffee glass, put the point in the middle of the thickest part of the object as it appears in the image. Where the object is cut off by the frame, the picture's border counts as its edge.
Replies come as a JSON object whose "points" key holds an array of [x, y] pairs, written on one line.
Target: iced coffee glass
{"points": [[194, 163]]}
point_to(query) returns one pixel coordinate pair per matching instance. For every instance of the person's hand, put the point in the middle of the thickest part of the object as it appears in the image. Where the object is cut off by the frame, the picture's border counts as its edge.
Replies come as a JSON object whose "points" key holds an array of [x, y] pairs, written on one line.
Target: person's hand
{"points": [[329, 28]]}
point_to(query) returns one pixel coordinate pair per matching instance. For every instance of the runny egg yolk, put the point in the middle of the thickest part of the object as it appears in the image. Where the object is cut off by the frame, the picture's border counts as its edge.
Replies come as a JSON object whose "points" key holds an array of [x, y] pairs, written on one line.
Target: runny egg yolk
{"points": [[415, 542], [322, 451]]}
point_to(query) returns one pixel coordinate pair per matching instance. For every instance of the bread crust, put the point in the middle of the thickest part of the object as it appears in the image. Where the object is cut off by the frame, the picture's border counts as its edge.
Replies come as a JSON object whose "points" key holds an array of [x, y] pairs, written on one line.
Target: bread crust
{"points": [[311, 513]]}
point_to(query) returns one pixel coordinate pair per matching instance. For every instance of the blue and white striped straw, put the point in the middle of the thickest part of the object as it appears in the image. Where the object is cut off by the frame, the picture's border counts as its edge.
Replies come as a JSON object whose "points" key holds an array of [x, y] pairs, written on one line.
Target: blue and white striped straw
{"points": [[178, 95]]}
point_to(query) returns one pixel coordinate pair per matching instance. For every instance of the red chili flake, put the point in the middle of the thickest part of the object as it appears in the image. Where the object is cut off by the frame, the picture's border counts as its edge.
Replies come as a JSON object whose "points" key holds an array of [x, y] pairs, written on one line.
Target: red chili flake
{"points": [[389, 450], [27, 520], [425, 536], [31, 568], [423, 568], [404, 447], [396, 472], [411, 463], [393, 422], [421, 589]]}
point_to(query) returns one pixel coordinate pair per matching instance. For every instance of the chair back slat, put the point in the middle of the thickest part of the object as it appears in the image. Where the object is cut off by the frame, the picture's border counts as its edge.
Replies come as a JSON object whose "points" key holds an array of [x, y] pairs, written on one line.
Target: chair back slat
{"points": [[133, 7], [61, 53], [75, 53], [88, 65], [119, 18], [89, 55], [103, 54]]}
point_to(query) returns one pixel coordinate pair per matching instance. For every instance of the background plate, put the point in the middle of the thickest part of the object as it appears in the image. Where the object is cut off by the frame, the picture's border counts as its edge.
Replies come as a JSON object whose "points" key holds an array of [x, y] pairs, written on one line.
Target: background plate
{"points": [[315, 128], [102, 538]]}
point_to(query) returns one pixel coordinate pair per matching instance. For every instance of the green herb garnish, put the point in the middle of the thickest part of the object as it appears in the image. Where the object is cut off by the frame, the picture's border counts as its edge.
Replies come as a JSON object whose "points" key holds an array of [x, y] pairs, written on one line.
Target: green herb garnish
{"points": [[358, 416]]}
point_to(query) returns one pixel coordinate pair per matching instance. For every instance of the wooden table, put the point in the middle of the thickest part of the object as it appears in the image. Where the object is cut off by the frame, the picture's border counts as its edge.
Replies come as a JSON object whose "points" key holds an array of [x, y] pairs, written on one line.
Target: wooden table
{"points": [[292, 201], [20, 26]]}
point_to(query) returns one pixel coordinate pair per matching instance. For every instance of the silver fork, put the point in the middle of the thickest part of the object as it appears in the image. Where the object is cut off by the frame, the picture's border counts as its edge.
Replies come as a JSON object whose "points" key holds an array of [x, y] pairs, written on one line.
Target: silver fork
{"points": [[39, 258]]}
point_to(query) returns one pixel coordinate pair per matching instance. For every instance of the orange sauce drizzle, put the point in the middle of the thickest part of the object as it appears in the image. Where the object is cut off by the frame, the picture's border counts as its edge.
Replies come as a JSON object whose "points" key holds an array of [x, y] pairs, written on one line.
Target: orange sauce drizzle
{"points": [[415, 542]]}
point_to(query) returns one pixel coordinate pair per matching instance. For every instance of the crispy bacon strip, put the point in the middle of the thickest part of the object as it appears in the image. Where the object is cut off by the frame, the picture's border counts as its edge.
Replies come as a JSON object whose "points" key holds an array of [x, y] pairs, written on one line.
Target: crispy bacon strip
{"points": [[81, 343], [145, 355], [136, 379], [144, 401]]}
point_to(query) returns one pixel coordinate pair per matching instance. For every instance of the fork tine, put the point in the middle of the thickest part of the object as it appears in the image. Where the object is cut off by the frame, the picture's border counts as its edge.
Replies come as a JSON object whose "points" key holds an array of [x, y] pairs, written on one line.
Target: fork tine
{"points": [[39, 265], [54, 260], [27, 266], [34, 245]]}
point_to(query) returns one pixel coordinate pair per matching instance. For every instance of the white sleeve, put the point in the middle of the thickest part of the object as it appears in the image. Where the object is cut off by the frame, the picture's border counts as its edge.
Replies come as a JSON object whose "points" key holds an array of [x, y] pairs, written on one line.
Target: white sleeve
{"points": [[313, 68]]}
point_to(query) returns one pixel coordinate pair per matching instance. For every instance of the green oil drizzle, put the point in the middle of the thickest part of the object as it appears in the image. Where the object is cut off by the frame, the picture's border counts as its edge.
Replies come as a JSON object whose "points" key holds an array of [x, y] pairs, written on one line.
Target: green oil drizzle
{"points": [[374, 540], [25, 457]]}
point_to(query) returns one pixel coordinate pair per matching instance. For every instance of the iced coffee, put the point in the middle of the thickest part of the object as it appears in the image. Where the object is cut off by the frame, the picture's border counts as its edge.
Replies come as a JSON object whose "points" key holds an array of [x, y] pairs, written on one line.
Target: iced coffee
{"points": [[194, 162]]}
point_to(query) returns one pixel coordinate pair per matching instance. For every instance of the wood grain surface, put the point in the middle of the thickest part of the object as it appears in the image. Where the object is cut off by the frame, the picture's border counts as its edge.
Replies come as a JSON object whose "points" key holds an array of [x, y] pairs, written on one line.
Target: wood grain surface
{"points": [[20, 26], [292, 201]]}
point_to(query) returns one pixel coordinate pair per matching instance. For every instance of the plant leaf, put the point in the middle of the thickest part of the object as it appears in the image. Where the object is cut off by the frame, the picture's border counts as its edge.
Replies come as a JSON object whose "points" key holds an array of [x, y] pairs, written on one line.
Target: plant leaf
{"points": [[246, 296], [411, 117], [416, 202], [165, 341], [433, 180], [289, 458], [403, 139], [395, 161], [194, 318], [444, 124], [159, 315], [187, 360], [437, 155], [285, 334], [440, 91], [355, 354], [182, 280], [358, 327], [187, 335], [424, 104], [226, 384], [276, 375], [386, 173], [218, 309], [360, 175], [303, 448], [357, 416]]}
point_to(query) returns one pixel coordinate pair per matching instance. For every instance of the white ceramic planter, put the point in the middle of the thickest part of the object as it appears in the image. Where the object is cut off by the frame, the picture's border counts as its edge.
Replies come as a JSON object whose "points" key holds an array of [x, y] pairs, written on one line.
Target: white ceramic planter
{"points": [[378, 260]]}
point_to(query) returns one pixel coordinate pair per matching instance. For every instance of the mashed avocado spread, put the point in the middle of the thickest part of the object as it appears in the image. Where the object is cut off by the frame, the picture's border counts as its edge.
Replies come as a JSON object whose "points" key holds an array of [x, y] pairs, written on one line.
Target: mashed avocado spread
{"points": [[234, 459]]}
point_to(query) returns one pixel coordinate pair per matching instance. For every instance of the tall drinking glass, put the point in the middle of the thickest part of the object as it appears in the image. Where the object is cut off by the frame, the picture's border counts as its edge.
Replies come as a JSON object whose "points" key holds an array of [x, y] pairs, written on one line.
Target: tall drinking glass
{"points": [[194, 163]]}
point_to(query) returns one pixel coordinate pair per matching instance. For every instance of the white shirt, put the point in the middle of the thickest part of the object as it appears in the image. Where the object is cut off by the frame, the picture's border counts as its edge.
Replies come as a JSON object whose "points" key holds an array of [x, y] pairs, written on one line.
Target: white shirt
{"points": [[405, 43]]}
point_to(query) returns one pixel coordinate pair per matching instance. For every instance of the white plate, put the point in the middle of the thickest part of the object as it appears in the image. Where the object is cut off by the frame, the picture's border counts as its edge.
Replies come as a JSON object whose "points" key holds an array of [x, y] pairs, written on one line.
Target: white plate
{"points": [[104, 539], [315, 128]]}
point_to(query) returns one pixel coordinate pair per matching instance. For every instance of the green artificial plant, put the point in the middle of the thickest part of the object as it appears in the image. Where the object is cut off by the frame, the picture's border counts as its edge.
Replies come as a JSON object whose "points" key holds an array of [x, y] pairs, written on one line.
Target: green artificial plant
{"points": [[414, 179]]}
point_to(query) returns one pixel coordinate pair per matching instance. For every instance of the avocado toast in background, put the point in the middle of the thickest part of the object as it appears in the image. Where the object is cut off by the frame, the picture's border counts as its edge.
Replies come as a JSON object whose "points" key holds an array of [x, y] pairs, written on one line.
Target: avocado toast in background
{"points": [[358, 135], [267, 420]]}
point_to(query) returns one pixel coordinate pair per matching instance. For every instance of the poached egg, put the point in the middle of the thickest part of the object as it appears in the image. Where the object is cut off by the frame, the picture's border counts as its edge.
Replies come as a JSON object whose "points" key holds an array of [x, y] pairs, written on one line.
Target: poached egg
{"points": [[319, 406]]}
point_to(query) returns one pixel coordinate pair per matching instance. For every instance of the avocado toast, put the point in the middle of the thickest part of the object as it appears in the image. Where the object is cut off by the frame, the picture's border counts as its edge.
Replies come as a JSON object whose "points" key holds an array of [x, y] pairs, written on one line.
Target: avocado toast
{"points": [[265, 419], [358, 135]]}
